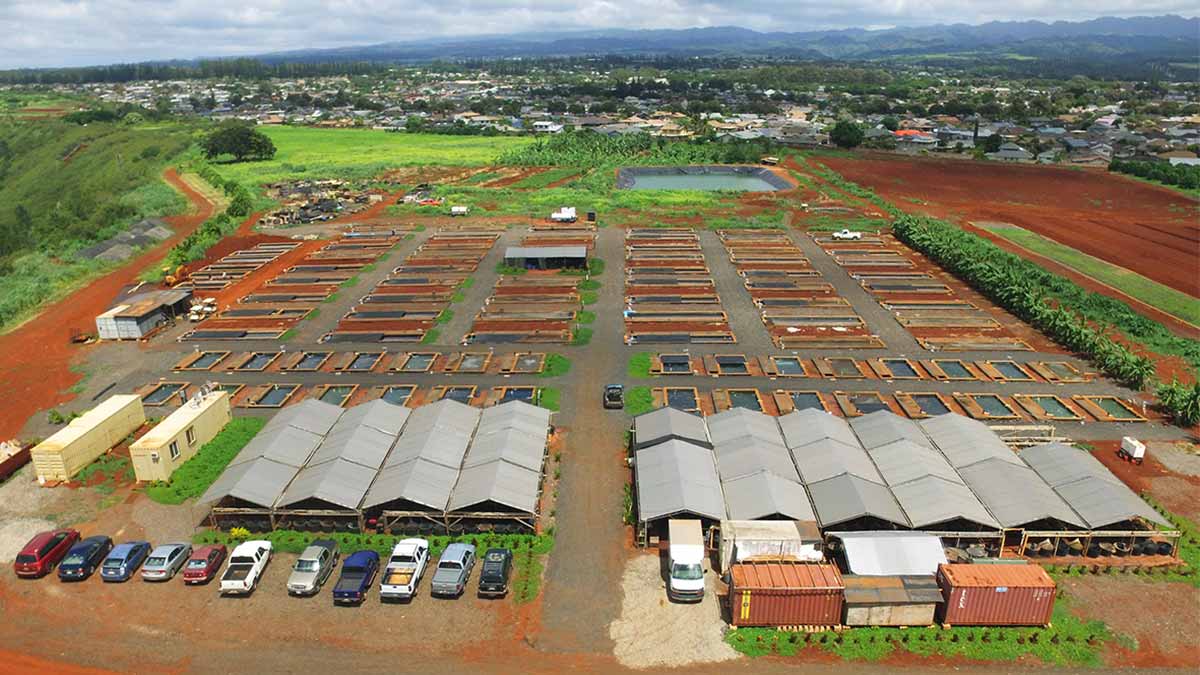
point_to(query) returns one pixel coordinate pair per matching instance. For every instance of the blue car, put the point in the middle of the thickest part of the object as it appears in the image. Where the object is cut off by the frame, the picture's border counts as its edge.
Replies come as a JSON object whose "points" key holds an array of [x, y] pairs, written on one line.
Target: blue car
{"points": [[84, 558], [124, 560]]}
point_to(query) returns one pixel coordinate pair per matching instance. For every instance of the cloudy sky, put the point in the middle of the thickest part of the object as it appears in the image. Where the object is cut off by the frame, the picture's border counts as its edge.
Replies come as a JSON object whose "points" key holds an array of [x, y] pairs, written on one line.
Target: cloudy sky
{"points": [[39, 33]]}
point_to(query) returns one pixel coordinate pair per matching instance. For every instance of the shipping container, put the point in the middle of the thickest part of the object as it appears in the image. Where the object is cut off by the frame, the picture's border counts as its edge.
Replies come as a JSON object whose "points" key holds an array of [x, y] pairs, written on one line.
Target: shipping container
{"points": [[996, 595], [785, 594], [87, 437], [177, 438]]}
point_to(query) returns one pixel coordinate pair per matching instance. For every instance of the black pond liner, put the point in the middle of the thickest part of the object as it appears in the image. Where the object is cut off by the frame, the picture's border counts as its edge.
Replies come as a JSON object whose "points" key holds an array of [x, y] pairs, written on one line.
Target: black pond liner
{"points": [[627, 176]]}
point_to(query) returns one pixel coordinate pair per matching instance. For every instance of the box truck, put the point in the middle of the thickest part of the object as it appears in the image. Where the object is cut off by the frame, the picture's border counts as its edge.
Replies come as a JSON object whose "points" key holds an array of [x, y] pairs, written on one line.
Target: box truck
{"points": [[685, 582]]}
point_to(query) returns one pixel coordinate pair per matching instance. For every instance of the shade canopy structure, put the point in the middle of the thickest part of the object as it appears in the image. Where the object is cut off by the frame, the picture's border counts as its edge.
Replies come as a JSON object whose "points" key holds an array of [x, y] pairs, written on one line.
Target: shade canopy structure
{"points": [[766, 495], [1016, 495], [668, 423], [883, 427], [676, 477], [259, 482], [845, 498], [892, 553], [339, 482], [965, 441], [1088, 487], [417, 482]]}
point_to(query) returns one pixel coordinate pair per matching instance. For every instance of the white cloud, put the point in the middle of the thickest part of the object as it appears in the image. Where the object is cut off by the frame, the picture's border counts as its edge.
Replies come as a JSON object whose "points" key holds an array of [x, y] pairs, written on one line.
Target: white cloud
{"points": [[77, 32]]}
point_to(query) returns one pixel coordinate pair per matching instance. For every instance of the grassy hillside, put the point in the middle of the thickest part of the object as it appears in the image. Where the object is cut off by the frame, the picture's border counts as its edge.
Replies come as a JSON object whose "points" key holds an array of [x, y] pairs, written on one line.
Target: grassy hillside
{"points": [[64, 187], [305, 152]]}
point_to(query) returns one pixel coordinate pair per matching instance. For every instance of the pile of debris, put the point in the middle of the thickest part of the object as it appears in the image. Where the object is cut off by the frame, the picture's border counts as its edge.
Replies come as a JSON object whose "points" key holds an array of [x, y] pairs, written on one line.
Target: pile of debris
{"points": [[315, 201]]}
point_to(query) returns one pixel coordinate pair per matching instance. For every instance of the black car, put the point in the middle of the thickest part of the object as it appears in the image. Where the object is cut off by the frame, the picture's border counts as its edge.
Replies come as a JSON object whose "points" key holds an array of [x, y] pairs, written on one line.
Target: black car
{"points": [[84, 558], [497, 567], [614, 396]]}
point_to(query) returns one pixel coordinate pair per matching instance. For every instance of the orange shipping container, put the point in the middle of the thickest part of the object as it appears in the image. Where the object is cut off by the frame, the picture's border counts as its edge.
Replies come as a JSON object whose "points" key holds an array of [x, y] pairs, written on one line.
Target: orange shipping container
{"points": [[996, 595], [785, 594]]}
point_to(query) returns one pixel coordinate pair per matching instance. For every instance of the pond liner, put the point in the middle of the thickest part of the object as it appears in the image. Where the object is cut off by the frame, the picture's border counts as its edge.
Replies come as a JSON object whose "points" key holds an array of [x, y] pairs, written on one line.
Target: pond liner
{"points": [[627, 176]]}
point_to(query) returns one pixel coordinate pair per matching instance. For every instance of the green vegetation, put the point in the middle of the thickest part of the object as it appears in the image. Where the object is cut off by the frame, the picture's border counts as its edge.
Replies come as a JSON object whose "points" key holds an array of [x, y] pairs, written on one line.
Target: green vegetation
{"points": [[104, 472], [1189, 546], [65, 187], [581, 336], [1070, 641], [1181, 400], [585, 317], [195, 475], [556, 365], [431, 336], [445, 316], [834, 223], [639, 366], [481, 177], [1131, 283], [1181, 175], [544, 179], [221, 225], [589, 297], [1023, 288], [627, 516], [588, 285], [305, 152], [242, 141], [584, 149], [509, 270], [639, 400], [549, 398], [847, 134]]}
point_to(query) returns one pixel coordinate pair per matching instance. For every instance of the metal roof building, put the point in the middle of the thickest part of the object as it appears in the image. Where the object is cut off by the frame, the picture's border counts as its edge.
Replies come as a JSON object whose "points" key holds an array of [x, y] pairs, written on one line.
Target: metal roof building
{"points": [[848, 497], [418, 482], [496, 483], [676, 477], [259, 482], [1088, 487], [1016, 495], [883, 427], [667, 423], [764, 495], [934, 501], [339, 482], [965, 441]]}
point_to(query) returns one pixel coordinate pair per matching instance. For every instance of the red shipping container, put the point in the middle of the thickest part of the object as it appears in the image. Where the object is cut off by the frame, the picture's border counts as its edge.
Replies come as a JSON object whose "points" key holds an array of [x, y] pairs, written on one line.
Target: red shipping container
{"points": [[785, 594], [996, 595]]}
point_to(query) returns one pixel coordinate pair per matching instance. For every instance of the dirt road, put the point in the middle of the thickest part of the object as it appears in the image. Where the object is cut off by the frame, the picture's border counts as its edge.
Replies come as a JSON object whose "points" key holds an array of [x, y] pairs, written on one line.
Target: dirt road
{"points": [[35, 359]]}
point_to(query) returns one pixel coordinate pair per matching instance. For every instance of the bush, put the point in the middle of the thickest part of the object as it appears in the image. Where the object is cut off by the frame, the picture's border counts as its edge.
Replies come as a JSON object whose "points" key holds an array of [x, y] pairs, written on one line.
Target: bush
{"points": [[639, 366], [639, 400], [195, 475], [548, 398], [556, 365]]}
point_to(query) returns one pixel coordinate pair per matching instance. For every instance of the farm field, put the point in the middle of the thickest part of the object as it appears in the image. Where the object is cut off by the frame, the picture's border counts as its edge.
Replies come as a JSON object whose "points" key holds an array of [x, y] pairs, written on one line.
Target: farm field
{"points": [[305, 152], [1151, 230], [1157, 295]]}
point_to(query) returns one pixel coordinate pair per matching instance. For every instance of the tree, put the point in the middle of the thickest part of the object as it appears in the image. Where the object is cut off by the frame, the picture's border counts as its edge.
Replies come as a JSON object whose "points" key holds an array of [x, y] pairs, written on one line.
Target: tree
{"points": [[239, 140], [891, 123], [991, 143], [847, 134]]}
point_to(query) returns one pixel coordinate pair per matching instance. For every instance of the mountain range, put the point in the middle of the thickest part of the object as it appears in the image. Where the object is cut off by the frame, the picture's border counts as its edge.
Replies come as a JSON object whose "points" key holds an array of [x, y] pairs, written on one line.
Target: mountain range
{"points": [[1160, 38]]}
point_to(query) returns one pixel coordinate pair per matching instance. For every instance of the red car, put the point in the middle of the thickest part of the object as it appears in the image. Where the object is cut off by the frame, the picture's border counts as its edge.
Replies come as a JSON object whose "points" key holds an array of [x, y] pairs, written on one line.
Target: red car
{"points": [[43, 552], [204, 564]]}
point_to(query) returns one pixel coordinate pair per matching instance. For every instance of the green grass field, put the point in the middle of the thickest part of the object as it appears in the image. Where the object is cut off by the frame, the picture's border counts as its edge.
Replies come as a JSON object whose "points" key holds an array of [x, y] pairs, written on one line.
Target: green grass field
{"points": [[305, 152], [1151, 292]]}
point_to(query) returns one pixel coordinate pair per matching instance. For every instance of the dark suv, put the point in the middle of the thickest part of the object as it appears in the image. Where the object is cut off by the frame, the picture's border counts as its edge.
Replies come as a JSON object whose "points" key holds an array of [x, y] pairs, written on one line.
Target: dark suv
{"points": [[84, 558], [614, 396], [497, 567]]}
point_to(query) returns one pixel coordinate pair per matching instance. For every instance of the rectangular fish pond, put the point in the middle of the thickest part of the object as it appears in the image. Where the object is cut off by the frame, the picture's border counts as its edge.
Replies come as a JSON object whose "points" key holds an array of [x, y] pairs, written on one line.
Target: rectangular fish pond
{"points": [[735, 178]]}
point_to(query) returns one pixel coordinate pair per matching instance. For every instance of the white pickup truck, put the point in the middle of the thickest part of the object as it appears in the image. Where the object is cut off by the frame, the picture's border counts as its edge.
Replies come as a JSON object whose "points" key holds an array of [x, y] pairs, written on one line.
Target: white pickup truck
{"points": [[847, 234], [404, 569], [246, 565], [566, 214]]}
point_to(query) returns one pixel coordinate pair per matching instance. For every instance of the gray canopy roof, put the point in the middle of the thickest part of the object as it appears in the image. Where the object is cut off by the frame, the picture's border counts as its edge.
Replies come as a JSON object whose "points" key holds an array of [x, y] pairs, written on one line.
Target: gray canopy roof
{"points": [[509, 445], [846, 497], [259, 482], [366, 446], [902, 461], [742, 423], [445, 414], [311, 415], [282, 443], [1087, 486], [531, 419], [746, 455], [1015, 494], [498, 482], [667, 423], [931, 500], [884, 426], [765, 494], [339, 482], [676, 477], [445, 446], [802, 427], [965, 441], [419, 481], [828, 457], [386, 417]]}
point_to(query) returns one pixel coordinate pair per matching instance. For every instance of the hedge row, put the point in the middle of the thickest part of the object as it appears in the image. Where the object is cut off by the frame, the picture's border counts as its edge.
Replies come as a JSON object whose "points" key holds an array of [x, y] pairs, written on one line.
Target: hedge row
{"points": [[292, 541], [211, 231]]}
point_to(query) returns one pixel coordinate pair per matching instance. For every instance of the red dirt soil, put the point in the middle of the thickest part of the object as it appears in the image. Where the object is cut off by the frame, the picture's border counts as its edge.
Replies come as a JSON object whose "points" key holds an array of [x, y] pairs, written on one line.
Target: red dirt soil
{"points": [[1149, 229], [35, 358]]}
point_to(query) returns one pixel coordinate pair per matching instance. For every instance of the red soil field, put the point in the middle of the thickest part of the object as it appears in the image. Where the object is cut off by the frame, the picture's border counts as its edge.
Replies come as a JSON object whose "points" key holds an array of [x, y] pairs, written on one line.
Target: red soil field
{"points": [[1149, 229], [35, 358]]}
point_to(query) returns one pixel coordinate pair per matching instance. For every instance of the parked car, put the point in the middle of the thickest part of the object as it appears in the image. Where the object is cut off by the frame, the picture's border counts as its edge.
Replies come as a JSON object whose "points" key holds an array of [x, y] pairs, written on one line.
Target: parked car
{"points": [[246, 565], [124, 560], [204, 564], [404, 570], [847, 235], [358, 572], [165, 561], [313, 567], [493, 577], [43, 552], [614, 396], [453, 570], [84, 558]]}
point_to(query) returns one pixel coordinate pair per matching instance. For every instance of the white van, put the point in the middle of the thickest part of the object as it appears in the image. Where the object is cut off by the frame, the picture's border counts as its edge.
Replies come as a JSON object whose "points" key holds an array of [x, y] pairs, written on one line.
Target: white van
{"points": [[685, 581]]}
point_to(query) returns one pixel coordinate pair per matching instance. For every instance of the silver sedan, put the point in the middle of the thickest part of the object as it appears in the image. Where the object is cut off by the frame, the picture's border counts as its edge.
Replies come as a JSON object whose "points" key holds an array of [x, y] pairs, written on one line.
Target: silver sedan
{"points": [[165, 561]]}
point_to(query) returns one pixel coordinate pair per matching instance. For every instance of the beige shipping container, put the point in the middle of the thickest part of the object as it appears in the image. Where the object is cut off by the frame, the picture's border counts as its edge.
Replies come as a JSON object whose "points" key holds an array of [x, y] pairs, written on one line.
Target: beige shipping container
{"points": [[86, 437], [176, 439]]}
